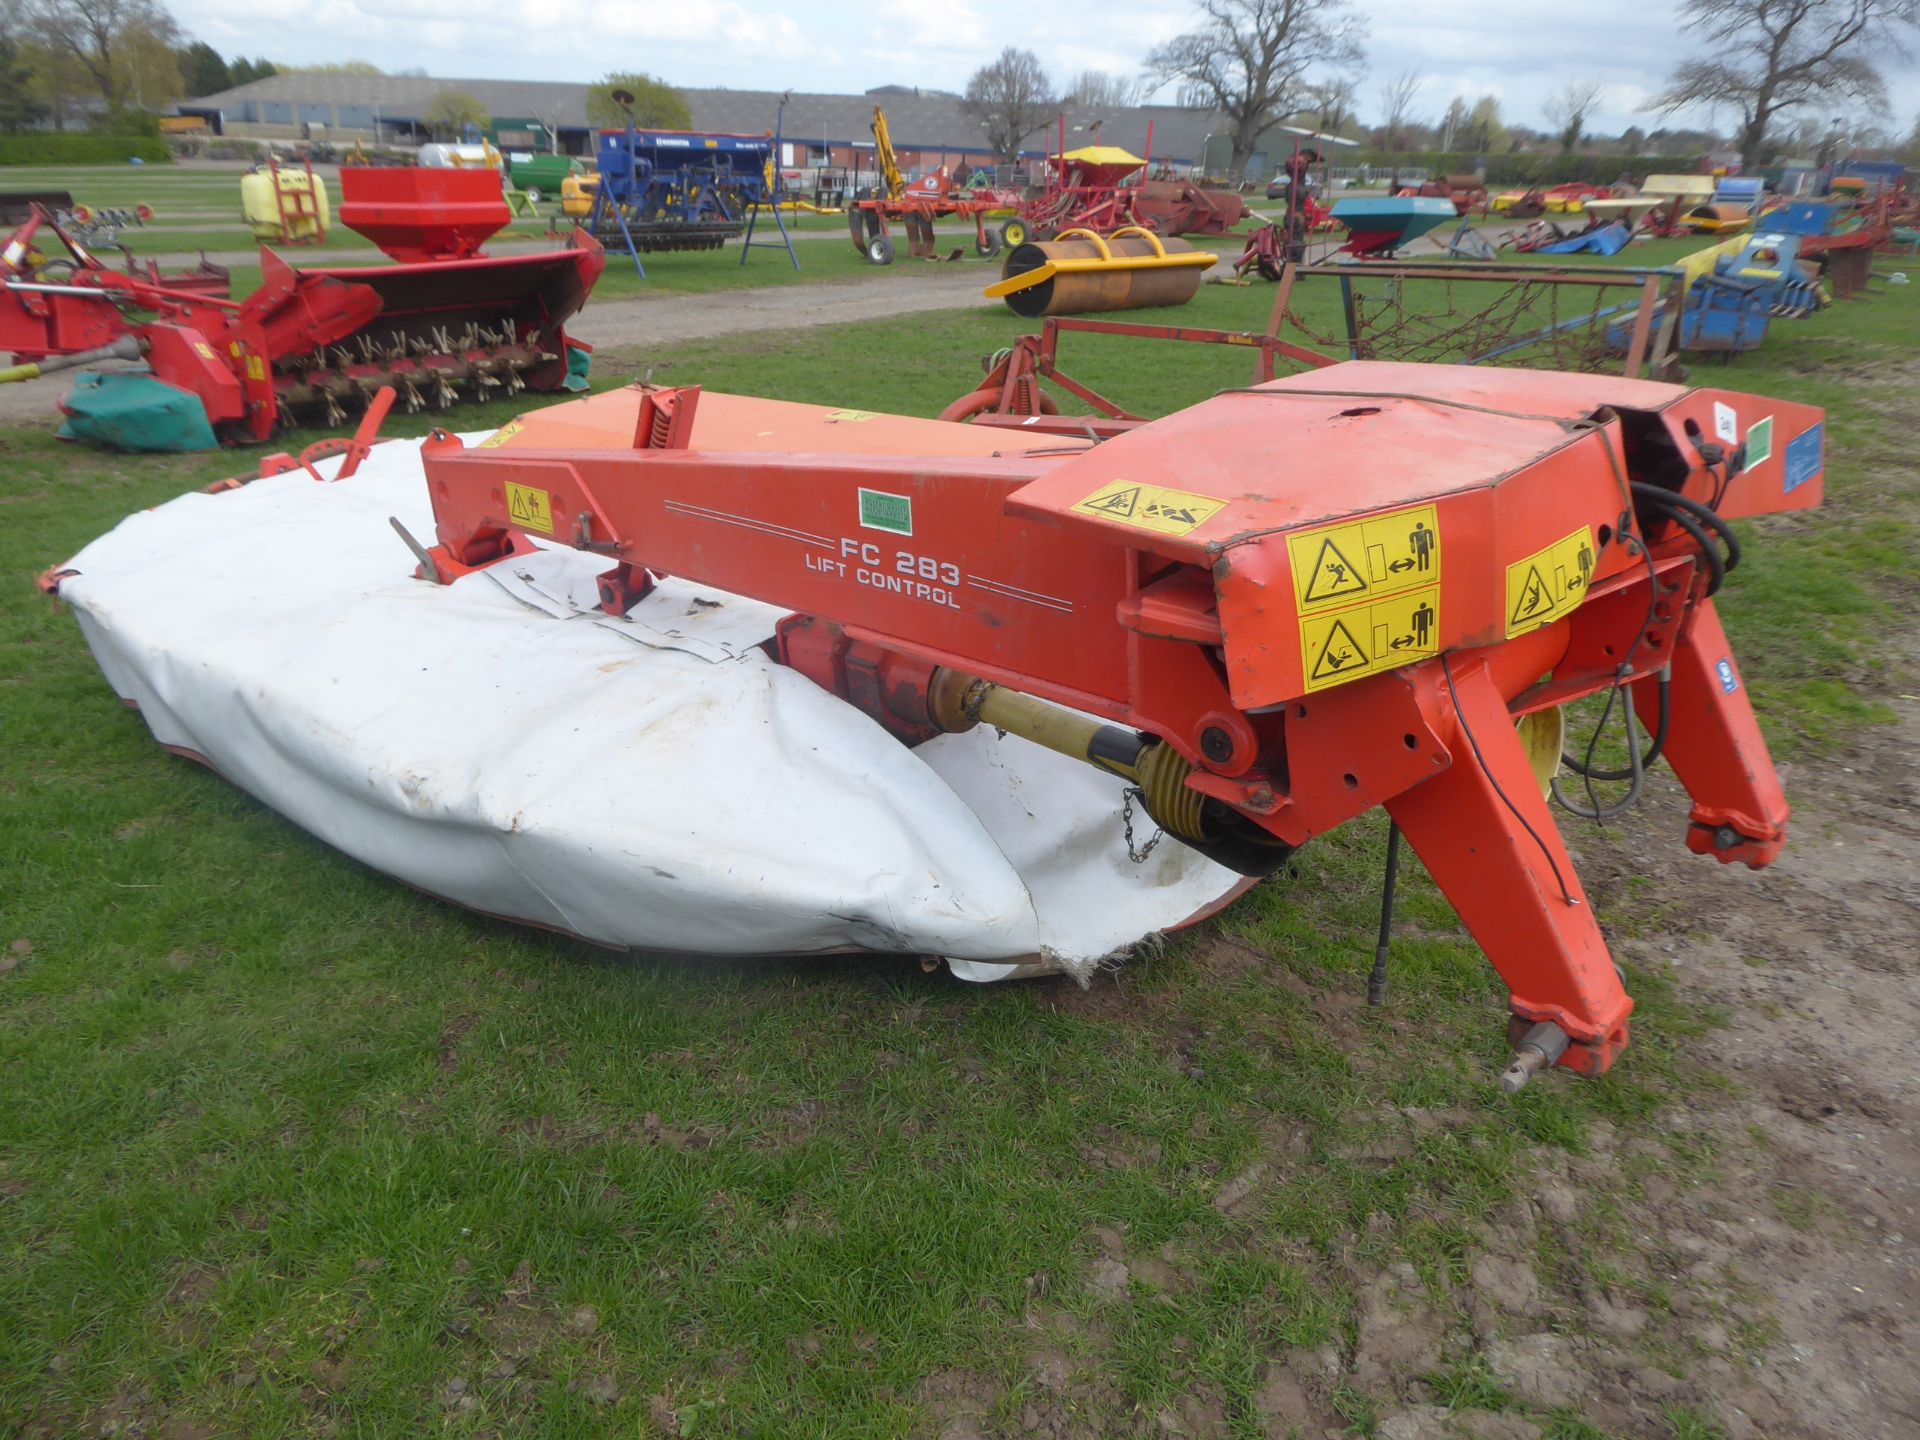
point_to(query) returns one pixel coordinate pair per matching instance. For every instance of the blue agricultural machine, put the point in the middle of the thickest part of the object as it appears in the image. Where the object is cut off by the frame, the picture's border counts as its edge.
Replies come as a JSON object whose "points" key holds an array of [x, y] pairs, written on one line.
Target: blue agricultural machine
{"points": [[681, 190], [1732, 291]]}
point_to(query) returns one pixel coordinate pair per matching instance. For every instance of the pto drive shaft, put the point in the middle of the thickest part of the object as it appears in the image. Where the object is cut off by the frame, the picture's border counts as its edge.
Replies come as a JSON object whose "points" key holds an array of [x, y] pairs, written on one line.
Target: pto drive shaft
{"points": [[127, 347]]}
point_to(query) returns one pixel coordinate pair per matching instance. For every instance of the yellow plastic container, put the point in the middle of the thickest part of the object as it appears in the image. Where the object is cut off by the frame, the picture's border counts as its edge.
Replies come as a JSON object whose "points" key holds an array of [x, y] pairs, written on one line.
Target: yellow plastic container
{"points": [[576, 195], [305, 205]]}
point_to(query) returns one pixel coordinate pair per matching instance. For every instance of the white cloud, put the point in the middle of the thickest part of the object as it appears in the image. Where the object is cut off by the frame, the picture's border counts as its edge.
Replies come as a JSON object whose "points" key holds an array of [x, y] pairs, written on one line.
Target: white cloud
{"points": [[1522, 51]]}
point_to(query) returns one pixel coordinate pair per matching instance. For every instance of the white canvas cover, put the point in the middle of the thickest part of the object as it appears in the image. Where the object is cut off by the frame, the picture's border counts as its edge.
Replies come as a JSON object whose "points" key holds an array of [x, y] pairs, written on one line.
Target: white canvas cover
{"points": [[654, 782]]}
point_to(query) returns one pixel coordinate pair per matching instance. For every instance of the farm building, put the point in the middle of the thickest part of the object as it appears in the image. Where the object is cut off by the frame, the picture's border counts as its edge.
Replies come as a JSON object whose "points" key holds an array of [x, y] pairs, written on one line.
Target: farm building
{"points": [[929, 127]]}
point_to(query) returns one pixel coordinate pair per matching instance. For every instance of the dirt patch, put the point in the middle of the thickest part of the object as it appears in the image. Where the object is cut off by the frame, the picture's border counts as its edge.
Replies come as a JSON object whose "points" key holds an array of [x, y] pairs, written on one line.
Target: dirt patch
{"points": [[616, 325], [1799, 1263]]}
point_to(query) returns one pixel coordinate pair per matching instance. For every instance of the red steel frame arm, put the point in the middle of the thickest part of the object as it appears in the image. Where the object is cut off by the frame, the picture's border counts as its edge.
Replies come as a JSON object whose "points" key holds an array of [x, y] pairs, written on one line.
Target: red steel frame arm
{"points": [[1485, 833], [1716, 749]]}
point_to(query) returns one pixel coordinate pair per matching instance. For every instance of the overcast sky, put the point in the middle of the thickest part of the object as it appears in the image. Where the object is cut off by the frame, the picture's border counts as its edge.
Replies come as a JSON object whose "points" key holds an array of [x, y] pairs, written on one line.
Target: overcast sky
{"points": [[1519, 50]]}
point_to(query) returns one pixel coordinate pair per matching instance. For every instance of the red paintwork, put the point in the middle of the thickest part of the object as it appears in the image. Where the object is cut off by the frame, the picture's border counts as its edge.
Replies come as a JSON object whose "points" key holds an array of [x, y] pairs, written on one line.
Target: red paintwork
{"points": [[1179, 634], [420, 215], [1179, 207], [226, 352]]}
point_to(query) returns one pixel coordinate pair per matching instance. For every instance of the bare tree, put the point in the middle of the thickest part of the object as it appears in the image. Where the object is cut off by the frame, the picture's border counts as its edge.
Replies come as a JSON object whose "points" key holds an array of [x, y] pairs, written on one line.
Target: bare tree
{"points": [[1568, 111], [1249, 59], [1453, 124], [1396, 105], [104, 38], [1331, 102], [1107, 91], [1011, 98], [1775, 56]]}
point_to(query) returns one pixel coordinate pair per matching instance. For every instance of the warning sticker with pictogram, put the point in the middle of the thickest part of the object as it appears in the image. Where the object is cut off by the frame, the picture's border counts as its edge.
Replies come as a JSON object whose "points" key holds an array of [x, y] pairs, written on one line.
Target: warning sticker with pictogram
{"points": [[1347, 644], [1549, 583], [530, 509], [1151, 507], [1364, 559]]}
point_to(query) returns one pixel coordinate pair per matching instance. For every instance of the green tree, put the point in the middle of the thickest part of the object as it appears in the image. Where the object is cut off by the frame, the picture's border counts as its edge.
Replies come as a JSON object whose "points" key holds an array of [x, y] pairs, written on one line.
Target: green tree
{"points": [[245, 71], [126, 49], [1484, 130], [451, 111], [335, 67], [202, 71], [18, 107], [656, 104]]}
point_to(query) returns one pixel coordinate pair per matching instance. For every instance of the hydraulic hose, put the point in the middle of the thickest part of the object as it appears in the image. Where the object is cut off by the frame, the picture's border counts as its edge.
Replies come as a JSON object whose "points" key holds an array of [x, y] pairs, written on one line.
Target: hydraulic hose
{"points": [[1654, 749], [1717, 565], [1670, 503]]}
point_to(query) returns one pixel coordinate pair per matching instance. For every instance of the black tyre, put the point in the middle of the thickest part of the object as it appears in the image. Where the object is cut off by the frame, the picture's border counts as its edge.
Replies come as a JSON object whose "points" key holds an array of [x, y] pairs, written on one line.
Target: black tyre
{"points": [[1013, 233], [988, 248], [880, 250]]}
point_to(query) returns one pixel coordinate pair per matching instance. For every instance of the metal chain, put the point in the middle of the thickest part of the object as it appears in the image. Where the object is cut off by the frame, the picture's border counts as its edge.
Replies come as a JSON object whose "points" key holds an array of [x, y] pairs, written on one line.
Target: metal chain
{"points": [[1138, 854]]}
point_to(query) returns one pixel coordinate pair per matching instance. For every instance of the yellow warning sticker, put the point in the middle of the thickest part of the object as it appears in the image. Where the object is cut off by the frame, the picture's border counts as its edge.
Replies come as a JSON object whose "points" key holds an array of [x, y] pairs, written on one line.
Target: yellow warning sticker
{"points": [[1365, 559], [1549, 583], [531, 509], [855, 417], [1151, 507], [1367, 639], [500, 437]]}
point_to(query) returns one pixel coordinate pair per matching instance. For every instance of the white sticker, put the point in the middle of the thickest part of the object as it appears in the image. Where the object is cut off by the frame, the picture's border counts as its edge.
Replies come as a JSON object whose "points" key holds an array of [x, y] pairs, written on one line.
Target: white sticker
{"points": [[1725, 423]]}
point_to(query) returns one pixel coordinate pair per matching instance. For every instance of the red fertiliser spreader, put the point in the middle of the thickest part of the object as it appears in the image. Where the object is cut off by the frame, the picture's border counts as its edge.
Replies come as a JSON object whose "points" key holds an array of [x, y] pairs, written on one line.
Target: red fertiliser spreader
{"points": [[312, 346]]}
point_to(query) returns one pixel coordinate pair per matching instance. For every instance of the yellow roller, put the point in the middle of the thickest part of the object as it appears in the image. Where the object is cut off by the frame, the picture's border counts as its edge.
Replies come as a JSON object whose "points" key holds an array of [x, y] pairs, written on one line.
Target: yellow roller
{"points": [[1079, 271]]}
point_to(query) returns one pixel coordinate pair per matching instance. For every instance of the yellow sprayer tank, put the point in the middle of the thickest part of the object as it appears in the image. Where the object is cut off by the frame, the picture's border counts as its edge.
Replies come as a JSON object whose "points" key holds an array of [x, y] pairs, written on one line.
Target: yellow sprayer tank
{"points": [[576, 195], [303, 205]]}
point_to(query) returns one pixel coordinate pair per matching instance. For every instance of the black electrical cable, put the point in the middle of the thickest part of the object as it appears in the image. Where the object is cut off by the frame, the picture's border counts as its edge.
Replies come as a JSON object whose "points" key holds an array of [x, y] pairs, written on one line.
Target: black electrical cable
{"points": [[1377, 981], [1446, 668], [1654, 749], [1590, 772], [1636, 773]]}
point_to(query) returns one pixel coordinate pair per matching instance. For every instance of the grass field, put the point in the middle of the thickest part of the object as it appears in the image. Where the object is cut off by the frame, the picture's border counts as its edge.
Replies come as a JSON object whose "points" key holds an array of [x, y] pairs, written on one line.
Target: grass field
{"points": [[289, 1150]]}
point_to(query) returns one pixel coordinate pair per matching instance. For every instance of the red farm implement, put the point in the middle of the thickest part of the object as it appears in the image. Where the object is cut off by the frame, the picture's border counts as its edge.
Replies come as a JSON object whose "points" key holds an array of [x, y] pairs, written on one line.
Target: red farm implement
{"points": [[310, 346], [914, 208], [1194, 606], [1086, 190], [1180, 207]]}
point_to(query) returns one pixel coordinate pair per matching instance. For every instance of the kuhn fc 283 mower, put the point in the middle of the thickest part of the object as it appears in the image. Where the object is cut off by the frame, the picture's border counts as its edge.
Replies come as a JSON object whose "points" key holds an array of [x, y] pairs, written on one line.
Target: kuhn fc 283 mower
{"points": [[1246, 623]]}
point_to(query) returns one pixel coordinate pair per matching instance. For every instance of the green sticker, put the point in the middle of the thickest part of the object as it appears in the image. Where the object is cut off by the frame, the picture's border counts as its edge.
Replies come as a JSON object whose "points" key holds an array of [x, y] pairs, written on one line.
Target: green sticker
{"points": [[881, 511], [1759, 442]]}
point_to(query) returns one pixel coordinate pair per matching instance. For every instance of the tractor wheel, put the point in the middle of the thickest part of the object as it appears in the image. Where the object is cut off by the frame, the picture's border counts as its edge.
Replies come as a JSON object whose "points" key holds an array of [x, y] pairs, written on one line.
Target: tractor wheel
{"points": [[534, 197], [988, 248], [1013, 233], [880, 250]]}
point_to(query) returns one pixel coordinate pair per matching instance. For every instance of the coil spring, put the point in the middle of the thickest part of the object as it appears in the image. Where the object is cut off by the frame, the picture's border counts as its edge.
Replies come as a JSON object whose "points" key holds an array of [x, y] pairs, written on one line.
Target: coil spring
{"points": [[1175, 806]]}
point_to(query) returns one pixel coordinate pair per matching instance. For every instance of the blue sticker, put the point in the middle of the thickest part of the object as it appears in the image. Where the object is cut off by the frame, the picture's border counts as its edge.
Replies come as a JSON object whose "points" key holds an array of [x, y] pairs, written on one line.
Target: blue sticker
{"points": [[1804, 458], [1729, 682]]}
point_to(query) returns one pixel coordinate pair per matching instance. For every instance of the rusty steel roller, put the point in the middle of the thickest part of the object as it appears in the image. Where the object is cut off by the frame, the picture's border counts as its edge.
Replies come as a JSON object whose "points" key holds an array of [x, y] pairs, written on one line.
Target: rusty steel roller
{"points": [[1080, 272]]}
